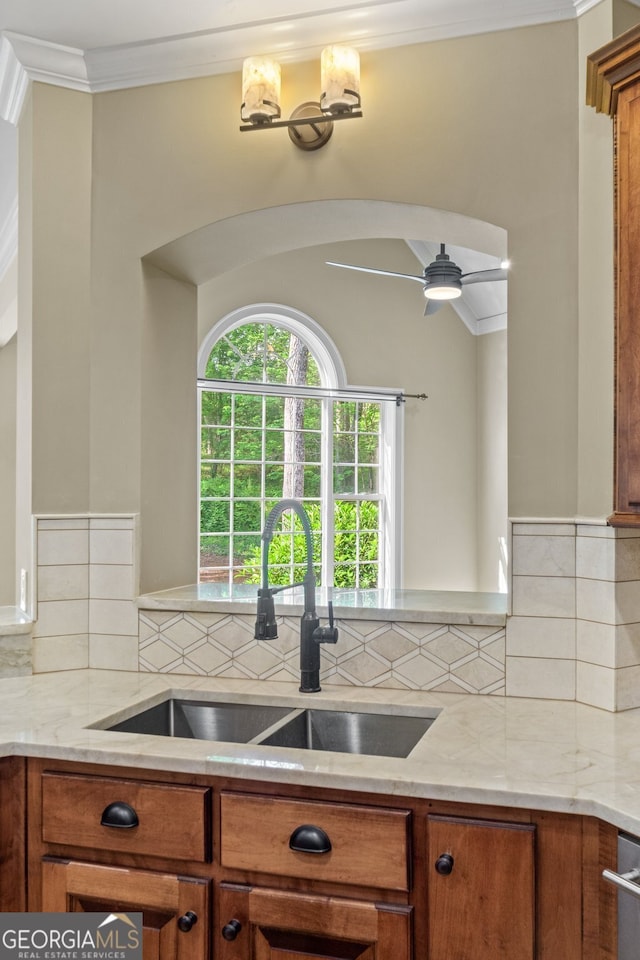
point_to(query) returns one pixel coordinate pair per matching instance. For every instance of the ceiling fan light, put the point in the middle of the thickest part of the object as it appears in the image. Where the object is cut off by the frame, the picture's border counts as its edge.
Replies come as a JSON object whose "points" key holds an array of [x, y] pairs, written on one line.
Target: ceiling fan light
{"points": [[260, 90], [443, 291], [339, 79]]}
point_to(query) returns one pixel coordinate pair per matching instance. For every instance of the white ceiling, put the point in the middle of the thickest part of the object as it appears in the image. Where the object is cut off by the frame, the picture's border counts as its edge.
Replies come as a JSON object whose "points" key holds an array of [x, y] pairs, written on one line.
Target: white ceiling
{"points": [[98, 45]]}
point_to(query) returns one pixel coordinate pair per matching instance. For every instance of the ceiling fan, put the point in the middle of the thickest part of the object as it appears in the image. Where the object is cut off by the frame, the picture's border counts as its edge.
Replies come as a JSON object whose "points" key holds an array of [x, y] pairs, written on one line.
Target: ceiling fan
{"points": [[442, 279]]}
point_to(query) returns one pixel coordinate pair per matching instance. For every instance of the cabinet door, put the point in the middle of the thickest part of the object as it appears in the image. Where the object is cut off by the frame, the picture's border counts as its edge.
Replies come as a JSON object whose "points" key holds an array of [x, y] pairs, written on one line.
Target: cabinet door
{"points": [[262, 924], [481, 890], [167, 903]]}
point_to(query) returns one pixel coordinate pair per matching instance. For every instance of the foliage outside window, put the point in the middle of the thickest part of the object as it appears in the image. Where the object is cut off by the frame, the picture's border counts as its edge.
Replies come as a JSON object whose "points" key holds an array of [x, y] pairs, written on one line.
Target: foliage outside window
{"points": [[269, 431]]}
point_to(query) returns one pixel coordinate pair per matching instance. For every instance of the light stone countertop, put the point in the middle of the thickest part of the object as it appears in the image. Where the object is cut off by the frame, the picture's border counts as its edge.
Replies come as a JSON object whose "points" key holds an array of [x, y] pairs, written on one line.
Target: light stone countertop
{"points": [[14, 621], [546, 755], [417, 606]]}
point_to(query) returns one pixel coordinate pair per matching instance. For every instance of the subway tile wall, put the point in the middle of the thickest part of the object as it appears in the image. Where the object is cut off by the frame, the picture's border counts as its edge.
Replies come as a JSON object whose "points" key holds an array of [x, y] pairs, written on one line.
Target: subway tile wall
{"points": [[574, 632], [87, 582]]}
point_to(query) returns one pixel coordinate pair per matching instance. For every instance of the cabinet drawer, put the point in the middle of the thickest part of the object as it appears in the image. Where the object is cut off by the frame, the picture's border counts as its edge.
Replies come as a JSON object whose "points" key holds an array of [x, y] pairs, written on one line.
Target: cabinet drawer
{"points": [[169, 820], [369, 846]]}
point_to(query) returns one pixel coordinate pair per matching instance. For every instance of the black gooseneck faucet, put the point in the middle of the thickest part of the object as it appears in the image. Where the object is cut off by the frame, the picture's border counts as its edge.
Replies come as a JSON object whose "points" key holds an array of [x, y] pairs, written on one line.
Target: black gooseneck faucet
{"points": [[311, 633]]}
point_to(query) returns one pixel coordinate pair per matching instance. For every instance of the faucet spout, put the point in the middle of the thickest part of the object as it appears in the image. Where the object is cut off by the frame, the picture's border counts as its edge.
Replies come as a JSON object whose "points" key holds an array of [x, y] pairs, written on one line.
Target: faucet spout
{"points": [[311, 634]]}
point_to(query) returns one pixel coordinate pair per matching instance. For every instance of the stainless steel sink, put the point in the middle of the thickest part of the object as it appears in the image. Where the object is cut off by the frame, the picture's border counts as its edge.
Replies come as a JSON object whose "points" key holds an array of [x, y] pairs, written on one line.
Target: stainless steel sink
{"points": [[383, 735], [204, 720], [340, 731]]}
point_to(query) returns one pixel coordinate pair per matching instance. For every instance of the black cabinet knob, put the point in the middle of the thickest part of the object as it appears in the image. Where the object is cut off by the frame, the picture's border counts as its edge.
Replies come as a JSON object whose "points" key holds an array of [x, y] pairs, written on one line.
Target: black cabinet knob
{"points": [[231, 930], [120, 815], [444, 864], [186, 922]]}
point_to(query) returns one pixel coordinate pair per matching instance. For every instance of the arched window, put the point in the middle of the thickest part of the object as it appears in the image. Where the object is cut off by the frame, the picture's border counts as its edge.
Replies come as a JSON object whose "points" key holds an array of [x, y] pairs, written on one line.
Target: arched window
{"points": [[278, 421]]}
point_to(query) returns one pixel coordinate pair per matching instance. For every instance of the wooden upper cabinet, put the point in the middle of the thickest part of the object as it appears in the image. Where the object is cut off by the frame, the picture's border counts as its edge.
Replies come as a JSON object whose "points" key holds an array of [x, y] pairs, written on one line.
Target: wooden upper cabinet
{"points": [[613, 87]]}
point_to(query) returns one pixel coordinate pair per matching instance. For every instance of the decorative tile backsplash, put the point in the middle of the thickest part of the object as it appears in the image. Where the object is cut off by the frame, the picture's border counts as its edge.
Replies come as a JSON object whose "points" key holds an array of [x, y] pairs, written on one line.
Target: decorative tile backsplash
{"points": [[573, 632], [369, 653]]}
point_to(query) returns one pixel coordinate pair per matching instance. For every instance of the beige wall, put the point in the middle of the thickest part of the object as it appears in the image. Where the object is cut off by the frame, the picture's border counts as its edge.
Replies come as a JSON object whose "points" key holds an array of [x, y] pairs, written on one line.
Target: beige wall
{"points": [[490, 132], [371, 321], [7, 471]]}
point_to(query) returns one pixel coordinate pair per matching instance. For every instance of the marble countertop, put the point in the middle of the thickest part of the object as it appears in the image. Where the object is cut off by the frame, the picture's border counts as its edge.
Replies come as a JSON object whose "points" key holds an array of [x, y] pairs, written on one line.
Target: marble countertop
{"points": [[546, 755], [14, 621], [418, 606]]}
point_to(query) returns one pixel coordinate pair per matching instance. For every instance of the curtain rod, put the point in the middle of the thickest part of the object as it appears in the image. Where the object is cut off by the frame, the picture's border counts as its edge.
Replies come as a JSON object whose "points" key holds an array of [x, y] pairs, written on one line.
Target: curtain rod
{"points": [[286, 389]]}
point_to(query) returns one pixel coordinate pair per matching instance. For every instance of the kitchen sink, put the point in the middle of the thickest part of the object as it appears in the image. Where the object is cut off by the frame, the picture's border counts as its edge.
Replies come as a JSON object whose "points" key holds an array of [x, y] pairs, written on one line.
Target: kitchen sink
{"points": [[384, 735], [204, 720], [340, 731]]}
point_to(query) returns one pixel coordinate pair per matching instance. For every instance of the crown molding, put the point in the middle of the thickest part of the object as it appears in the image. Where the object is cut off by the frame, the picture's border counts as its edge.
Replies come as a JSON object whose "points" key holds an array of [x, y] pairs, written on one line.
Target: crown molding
{"points": [[221, 50], [13, 82]]}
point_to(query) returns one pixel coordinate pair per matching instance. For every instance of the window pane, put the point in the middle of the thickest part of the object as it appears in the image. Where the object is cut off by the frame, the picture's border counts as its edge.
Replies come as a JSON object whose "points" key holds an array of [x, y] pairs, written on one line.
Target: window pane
{"points": [[247, 557], [248, 410], [215, 443], [214, 516], [312, 447], [247, 445], [216, 407], [214, 555], [344, 448], [273, 480], [368, 417], [368, 448], [312, 481], [343, 480], [275, 411], [367, 479], [215, 479], [247, 480], [312, 414], [247, 516], [274, 445]]}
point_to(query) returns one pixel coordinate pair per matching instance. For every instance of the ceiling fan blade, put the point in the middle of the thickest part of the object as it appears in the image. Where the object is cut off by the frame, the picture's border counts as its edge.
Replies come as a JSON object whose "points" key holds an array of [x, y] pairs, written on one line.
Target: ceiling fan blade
{"points": [[483, 276], [432, 306], [384, 273]]}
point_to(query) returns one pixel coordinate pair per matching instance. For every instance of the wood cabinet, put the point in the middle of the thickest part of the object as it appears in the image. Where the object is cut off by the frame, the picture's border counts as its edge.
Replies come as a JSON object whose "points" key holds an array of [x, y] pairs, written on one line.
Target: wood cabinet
{"points": [[175, 910], [613, 87], [264, 924], [481, 890], [12, 834], [289, 872]]}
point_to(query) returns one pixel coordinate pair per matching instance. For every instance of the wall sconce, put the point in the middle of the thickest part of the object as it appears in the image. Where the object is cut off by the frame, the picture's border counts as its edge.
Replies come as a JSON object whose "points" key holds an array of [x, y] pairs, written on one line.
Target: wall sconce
{"points": [[311, 123]]}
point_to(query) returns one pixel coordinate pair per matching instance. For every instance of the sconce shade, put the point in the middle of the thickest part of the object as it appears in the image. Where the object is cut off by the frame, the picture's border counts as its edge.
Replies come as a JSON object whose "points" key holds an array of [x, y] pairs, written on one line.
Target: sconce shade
{"points": [[339, 79], [260, 90]]}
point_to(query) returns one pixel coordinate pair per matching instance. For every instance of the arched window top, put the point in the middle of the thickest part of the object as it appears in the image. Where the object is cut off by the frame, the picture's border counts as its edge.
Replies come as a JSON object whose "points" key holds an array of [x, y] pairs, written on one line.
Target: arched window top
{"points": [[262, 355]]}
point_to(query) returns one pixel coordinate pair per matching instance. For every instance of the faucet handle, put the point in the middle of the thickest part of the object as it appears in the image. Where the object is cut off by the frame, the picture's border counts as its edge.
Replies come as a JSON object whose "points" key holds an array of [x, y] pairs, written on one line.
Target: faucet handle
{"points": [[327, 634]]}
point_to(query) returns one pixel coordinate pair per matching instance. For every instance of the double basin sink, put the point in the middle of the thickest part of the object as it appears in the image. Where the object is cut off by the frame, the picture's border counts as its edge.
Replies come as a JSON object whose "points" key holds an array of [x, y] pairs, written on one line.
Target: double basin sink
{"points": [[340, 731]]}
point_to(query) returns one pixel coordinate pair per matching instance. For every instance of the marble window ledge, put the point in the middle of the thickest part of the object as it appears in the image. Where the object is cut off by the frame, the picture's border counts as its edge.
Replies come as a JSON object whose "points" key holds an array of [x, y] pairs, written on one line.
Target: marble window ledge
{"points": [[418, 606]]}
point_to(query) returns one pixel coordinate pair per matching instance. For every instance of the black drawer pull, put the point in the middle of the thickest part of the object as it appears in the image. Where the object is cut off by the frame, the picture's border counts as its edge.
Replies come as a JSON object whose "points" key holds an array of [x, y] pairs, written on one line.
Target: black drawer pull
{"points": [[309, 839], [231, 930], [120, 815], [186, 922]]}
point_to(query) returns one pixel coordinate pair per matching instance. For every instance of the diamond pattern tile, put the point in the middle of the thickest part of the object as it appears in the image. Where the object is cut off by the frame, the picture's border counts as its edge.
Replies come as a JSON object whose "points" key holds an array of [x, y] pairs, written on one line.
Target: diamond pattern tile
{"points": [[183, 633], [449, 648], [416, 656]]}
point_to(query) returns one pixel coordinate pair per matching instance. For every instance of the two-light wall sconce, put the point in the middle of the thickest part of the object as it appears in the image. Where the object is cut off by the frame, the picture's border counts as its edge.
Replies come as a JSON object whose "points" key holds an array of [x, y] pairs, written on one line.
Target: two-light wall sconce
{"points": [[310, 124]]}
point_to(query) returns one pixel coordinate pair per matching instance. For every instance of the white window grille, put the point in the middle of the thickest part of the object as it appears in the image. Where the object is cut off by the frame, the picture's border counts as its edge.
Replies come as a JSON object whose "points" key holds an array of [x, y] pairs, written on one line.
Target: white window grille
{"points": [[277, 420]]}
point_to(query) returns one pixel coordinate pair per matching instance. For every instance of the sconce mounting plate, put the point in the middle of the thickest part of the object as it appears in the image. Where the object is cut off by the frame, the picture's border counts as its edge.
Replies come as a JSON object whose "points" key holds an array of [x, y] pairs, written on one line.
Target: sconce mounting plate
{"points": [[313, 134]]}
